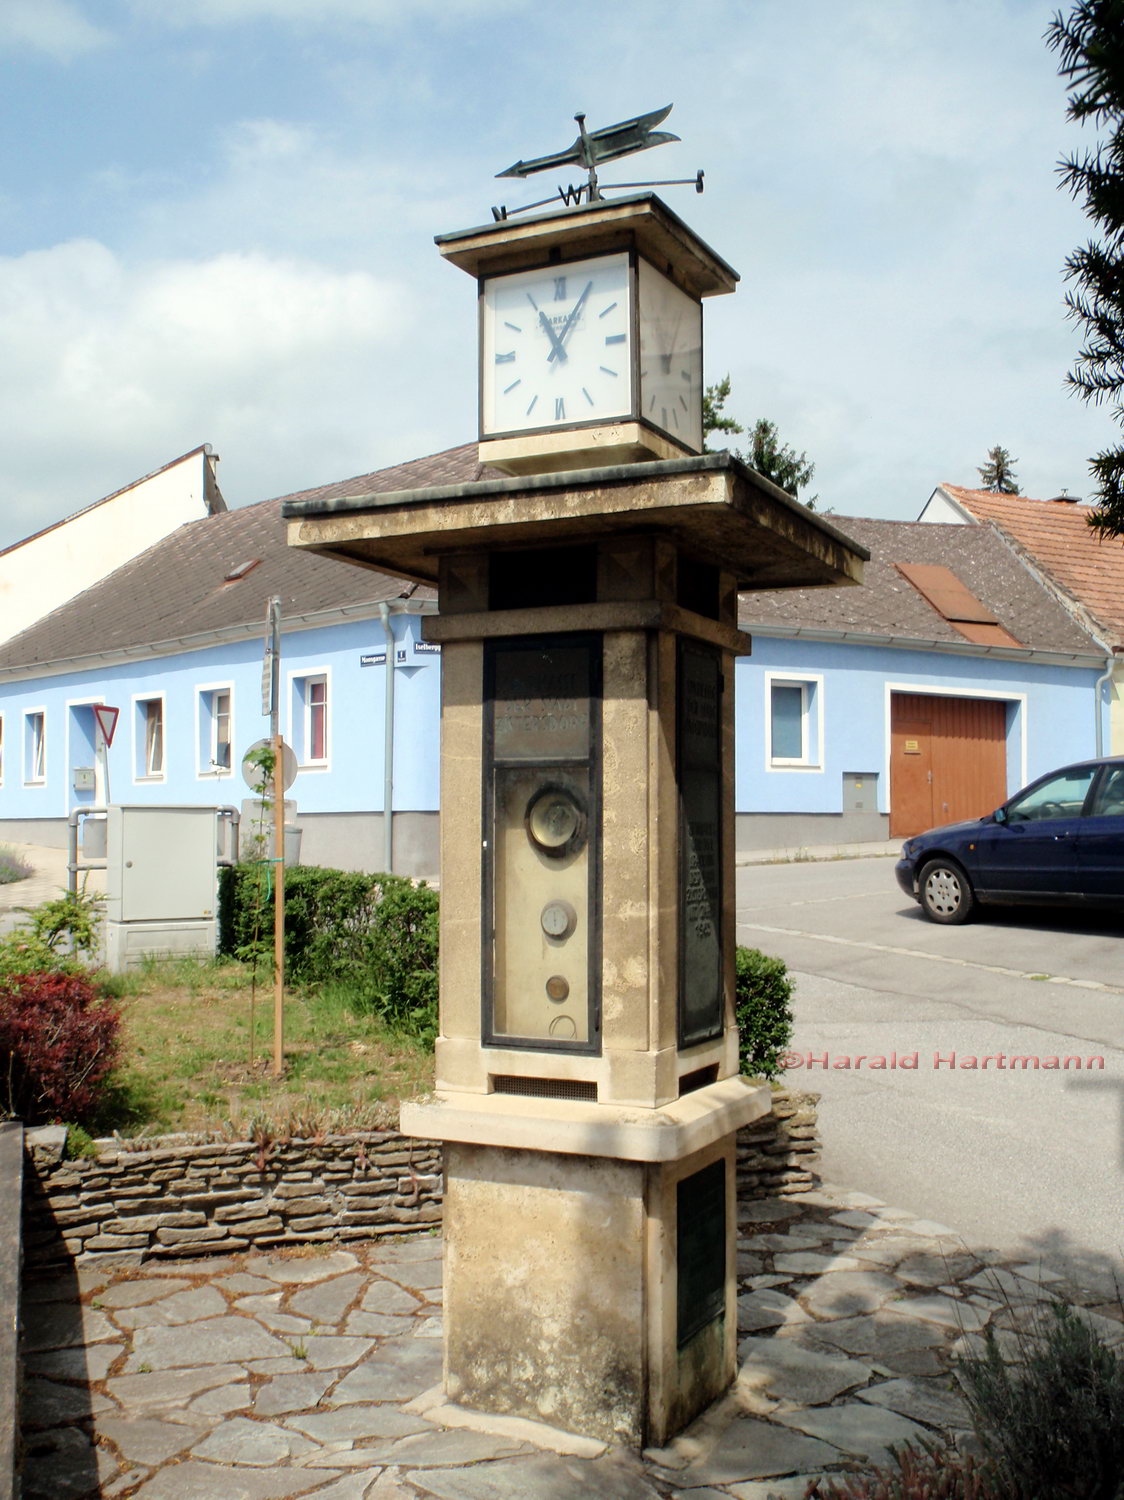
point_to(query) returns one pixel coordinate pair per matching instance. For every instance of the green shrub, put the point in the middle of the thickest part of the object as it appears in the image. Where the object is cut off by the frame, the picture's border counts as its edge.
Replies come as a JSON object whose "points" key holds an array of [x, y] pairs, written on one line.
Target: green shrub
{"points": [[374, 936], [763, 991], [926, 1473], [1050, 1423], [1052, 1420], [57, 937]]}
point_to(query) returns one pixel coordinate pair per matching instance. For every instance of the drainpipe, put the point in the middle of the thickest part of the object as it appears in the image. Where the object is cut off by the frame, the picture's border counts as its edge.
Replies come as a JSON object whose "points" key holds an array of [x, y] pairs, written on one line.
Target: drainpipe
{"points": [[1106, 676], [388, 747]]}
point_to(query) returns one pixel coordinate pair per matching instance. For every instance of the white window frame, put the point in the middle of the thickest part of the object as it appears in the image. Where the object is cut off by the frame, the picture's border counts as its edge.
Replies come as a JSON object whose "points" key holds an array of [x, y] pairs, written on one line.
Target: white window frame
{"points": [[811, 721], [141, 771], [206, 724], [300, 717], [29, 778]]}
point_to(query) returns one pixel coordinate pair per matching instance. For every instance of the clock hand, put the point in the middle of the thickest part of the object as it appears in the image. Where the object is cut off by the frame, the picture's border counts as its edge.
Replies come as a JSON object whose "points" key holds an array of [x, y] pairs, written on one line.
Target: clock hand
{"points": [[570, 321], [552, 336], [548, 327]]}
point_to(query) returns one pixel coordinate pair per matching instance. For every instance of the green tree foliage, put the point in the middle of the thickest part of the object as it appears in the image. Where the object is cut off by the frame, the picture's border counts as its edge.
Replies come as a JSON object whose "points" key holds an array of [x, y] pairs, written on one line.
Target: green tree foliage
{"points": [[1090, 47], [767, 454], [715, 418], [778, 462], [997, 474]]}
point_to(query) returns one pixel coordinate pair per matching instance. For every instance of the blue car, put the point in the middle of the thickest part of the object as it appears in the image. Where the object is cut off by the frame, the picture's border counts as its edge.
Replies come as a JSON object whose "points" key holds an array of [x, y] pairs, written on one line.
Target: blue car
{"points": [[1058, 842]]}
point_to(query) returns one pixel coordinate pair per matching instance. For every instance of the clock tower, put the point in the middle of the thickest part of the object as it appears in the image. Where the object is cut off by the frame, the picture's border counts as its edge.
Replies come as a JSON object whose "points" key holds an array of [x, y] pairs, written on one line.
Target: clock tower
{"points": [[587, 1087]]}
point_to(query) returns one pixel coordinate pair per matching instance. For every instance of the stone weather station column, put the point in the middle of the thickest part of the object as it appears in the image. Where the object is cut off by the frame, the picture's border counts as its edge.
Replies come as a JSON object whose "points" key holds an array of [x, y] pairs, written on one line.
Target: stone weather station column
{"points": [[587, 1089]]}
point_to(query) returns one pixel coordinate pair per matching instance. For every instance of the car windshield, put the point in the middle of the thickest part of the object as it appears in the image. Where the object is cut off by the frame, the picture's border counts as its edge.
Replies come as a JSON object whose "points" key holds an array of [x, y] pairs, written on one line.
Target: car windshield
{"points": [[1061, 796]]}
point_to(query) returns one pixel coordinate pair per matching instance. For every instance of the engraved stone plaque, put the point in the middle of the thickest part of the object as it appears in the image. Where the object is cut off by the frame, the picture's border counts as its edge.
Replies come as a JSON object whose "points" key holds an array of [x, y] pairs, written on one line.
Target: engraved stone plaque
{"points": [[541, 703], [700, 858]]}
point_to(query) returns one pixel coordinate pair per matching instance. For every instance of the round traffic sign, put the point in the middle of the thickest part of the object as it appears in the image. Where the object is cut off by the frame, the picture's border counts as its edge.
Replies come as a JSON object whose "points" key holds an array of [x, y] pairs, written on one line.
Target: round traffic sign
{"points": [[255, 777]]}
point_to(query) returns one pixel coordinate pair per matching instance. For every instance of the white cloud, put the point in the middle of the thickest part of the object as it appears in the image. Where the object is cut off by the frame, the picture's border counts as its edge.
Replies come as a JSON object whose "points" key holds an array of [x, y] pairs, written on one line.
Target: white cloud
{"points": [[52, 26], [106, 370]]}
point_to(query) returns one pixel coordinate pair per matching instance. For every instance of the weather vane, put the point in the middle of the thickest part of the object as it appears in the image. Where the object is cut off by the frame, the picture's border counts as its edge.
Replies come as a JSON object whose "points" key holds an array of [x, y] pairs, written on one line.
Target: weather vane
{"points": [[592, 147]]}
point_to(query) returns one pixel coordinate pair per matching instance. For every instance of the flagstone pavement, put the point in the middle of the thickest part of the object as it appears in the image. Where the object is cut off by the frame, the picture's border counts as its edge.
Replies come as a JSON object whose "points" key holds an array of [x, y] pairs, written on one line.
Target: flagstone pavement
{"points": [[317, 1372]]}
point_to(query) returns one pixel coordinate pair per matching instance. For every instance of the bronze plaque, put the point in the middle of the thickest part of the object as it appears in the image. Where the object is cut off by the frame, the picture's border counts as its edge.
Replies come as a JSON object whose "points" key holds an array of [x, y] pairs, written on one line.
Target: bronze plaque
{"points": [[700, 844], [700, 1236]]}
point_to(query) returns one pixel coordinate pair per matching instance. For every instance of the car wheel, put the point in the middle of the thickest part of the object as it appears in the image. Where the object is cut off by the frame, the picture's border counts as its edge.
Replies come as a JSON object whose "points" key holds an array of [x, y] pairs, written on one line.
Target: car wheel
{"points": [[946, 895]]}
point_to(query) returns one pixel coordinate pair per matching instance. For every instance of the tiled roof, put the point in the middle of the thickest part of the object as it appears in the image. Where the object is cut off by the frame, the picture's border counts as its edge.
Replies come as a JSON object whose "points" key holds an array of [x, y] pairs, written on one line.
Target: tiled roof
{"points": [[888, 605], [1056, 535], [179, 587], [183, 586]]}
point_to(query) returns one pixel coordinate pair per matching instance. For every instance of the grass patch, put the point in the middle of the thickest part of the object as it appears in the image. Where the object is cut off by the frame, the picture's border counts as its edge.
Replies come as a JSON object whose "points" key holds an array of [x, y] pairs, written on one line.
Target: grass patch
{"points": [[190, 1061]]}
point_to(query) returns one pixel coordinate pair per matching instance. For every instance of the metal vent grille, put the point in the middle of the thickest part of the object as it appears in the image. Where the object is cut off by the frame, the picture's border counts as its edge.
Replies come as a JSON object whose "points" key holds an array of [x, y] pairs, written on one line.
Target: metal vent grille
{"points": [[698, 1079], [545, 1088]]}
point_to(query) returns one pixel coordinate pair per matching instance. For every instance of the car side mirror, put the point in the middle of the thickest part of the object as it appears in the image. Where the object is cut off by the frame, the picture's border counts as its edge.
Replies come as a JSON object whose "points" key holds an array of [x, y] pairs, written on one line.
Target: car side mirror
{"points": [[999, 815]]}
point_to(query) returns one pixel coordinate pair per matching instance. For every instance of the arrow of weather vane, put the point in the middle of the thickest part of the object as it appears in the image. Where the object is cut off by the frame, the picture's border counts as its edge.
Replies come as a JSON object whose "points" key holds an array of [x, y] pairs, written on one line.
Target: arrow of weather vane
{"points": [[593, 147]]}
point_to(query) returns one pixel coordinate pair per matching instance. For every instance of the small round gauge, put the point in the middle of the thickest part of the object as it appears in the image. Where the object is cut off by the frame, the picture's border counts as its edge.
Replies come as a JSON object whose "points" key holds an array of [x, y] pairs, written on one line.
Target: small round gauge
{"points": [[558, 919], [558, 987], [555, 821]]}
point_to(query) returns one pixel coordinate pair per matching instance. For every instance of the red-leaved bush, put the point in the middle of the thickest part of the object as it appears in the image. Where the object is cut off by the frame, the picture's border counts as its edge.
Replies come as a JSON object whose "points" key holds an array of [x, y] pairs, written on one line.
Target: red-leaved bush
{"points": [[58, 1042]]}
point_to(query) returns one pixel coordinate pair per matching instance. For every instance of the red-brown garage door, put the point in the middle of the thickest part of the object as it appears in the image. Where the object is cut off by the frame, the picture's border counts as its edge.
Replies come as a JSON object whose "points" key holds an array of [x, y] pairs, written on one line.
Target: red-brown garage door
{"points": [[948, 760]]}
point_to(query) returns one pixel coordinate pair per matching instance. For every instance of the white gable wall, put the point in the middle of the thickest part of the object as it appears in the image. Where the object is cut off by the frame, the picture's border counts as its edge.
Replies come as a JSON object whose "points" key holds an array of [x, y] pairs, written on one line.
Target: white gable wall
{"points": [[50, 568], [943, 509]]}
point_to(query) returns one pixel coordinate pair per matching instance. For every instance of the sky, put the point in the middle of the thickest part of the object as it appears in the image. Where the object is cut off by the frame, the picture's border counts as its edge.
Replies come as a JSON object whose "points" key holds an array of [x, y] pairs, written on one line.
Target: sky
{"points": [[217, 222]]}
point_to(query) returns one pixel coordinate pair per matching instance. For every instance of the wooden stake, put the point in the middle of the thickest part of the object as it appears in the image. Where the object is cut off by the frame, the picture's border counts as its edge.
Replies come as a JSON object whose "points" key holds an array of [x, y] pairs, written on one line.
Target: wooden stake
{"points": [[278, 909]]}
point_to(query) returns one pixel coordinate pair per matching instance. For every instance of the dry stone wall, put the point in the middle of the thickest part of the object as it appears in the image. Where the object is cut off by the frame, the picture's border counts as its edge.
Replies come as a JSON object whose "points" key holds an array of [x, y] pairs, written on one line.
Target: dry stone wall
{"points": [[178, 1196], [779, 1155]]}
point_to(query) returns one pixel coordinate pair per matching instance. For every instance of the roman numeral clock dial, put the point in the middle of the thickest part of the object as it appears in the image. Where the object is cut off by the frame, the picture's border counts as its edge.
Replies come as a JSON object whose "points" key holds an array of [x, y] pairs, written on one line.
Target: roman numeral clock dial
{"points": [[556, 346]]}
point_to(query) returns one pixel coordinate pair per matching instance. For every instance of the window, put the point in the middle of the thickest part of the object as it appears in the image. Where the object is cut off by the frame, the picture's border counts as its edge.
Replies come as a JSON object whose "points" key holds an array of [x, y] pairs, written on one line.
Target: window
{"points": [[310, 719], [792, 709], [215, 733], [150, 738], [1, 749], [787, 709], [1058, 797], [1109, 801], [35, 746]]}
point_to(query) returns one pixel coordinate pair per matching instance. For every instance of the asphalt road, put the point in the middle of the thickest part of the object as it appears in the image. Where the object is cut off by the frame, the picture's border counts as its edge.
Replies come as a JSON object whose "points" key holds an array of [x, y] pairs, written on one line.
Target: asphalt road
{"points": [[1027, 1161]]}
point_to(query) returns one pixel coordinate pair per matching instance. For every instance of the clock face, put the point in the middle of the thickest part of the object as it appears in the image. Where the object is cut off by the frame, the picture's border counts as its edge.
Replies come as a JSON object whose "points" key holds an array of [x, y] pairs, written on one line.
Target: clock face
{"points": [[556, 346], [670, 358]]}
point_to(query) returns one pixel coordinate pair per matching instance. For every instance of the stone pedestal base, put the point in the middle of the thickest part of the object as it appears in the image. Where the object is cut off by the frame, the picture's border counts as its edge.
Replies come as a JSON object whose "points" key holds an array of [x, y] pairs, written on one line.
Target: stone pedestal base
{"points": [[591, 1286]]}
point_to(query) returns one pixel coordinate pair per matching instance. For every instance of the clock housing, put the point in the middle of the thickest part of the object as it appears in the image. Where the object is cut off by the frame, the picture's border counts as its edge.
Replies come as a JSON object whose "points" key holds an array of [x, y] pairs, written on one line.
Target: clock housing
{"points": [[590, 334], [670, 395], [557, 346]]}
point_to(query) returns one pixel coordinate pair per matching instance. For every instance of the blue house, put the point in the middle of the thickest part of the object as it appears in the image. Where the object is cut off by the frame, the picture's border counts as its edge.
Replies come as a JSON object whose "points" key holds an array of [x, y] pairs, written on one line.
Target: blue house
{"points": [[944, 682], [950, 678]]}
